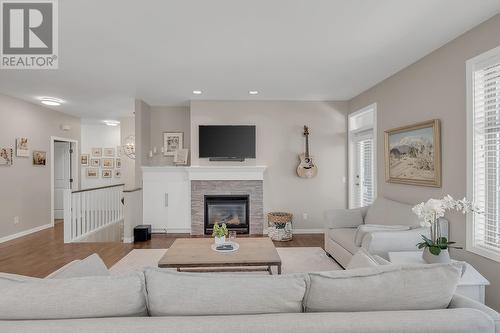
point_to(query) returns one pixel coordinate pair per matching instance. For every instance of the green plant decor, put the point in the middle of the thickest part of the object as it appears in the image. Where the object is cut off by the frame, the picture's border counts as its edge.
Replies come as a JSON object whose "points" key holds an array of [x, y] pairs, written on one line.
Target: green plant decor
{"points": [[220, 231], [435, 247]]}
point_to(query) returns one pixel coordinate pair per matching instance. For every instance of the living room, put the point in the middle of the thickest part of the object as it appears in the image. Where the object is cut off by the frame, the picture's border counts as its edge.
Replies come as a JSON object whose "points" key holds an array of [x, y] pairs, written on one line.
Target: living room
{"points": [[299, 165]]}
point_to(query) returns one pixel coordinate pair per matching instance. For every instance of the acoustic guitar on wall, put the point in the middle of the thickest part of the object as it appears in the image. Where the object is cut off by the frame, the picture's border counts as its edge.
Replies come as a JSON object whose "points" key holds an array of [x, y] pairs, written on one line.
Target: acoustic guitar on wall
{"points": [[306, 168]]}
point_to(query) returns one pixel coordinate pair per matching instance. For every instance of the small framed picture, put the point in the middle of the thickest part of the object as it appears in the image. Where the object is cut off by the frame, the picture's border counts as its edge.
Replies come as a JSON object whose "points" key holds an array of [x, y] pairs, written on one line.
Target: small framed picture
{"points": [[108, 163], [107, 173], [39, 157], [118, 163], [85, 160], [22, 149], [118, 173], [96, 152], [95, 162], [92, 173], [6, 156], [171, 142], [108, 152], [181, 156]]}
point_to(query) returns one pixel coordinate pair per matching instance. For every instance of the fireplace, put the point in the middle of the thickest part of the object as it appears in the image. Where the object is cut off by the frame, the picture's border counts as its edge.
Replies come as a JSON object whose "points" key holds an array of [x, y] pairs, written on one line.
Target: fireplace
{"points": [[233, 210]]}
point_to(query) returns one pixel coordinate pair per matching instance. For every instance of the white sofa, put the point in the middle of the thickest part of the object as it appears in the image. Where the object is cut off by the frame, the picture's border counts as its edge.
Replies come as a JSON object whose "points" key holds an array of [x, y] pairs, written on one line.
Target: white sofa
{"points": [[374, 300], [383, 222]]}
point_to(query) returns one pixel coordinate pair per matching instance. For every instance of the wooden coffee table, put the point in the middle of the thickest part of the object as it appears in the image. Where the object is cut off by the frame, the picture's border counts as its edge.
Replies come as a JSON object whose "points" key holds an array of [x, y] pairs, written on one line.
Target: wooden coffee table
{"points": [[193, 254]]}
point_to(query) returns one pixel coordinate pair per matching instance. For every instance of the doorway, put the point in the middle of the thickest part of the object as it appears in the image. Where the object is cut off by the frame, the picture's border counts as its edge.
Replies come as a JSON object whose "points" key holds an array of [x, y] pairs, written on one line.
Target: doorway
{"points": [[362, 157], [62, 176], [64, 173]]}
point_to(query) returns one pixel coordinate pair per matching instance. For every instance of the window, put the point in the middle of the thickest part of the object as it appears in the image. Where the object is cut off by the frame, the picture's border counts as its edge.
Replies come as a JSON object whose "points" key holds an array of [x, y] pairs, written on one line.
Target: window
{"points": [[483, 153], [363, 192], [362, 157]]}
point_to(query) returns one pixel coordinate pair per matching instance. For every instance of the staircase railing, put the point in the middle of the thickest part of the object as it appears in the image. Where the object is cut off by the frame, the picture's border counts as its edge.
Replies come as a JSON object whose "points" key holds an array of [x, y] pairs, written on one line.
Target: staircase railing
{"points": [[89, 210]]}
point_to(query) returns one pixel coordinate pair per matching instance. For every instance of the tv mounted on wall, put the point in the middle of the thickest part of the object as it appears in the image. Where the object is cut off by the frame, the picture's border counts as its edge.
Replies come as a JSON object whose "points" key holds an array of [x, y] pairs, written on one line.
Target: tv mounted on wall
{"points": [[226, 143]]}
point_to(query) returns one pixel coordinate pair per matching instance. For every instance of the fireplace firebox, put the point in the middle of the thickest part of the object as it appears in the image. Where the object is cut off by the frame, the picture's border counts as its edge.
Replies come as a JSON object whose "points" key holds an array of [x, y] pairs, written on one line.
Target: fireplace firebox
{"points": [[233, 210]]}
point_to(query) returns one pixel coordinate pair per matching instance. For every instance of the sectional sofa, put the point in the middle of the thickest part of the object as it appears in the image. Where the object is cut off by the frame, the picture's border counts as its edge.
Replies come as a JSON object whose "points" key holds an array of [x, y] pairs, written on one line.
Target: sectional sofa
{"points": [[385, 226], [379, 299]]}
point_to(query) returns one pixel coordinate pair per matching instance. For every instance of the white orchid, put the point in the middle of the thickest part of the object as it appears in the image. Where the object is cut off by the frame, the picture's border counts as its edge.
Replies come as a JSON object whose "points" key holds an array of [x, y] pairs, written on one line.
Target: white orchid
{"points": [[429, 212]]}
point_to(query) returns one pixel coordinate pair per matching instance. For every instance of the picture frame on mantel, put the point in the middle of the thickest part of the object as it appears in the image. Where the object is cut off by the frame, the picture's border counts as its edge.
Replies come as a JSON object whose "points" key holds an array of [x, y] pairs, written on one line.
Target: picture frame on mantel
{"points": [[413, 154], [172, 141]]}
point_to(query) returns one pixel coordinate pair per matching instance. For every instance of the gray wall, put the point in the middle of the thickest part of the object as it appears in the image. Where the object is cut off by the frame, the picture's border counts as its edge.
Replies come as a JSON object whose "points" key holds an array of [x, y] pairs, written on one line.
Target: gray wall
{"points": [[434, 87], [279, 141], [142, 138], [168, 119], [24, 187], [127, 128]]}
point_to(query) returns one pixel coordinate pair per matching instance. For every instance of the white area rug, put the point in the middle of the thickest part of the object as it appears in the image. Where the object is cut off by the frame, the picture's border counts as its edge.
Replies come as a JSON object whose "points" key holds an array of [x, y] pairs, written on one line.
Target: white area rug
{"points": [[294, 260]]}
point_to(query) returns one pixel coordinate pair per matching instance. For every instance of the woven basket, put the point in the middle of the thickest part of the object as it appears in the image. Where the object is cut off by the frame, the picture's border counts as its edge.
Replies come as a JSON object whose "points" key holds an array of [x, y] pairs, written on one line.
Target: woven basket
{"points": [[280, 226]]}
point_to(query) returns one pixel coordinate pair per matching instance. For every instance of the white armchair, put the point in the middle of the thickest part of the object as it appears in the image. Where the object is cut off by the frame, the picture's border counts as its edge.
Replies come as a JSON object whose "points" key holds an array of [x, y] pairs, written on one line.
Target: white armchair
{"points": [[391, 226]]}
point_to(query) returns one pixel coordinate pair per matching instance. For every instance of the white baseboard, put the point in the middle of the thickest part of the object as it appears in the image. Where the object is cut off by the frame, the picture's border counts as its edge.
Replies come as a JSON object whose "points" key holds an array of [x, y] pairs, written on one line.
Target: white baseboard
{"points": [[25, 232], [308, 231], [128, 239], [171, 231]]}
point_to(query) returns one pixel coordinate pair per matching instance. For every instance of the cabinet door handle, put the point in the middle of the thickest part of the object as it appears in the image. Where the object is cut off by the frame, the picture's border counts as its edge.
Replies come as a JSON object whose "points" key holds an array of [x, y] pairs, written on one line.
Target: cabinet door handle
{"points": [[166, 199]]}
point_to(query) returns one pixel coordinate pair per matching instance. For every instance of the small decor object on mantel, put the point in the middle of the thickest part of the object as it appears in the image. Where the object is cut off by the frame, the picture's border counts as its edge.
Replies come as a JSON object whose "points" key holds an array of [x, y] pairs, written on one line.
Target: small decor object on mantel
{"points": [[306, 168], [172, 141], [280, 226], [181, 156], [436, 247], [220, 233]]}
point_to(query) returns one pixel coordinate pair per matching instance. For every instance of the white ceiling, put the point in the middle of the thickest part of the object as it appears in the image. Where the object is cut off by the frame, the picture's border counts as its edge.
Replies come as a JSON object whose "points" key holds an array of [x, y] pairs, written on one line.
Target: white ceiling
{"points": [[115, 50]]}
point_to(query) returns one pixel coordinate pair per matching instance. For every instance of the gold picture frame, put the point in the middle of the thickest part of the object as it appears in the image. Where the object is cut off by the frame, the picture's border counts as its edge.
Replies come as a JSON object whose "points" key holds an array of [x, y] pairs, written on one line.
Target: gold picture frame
{"points": [[413, 154]]}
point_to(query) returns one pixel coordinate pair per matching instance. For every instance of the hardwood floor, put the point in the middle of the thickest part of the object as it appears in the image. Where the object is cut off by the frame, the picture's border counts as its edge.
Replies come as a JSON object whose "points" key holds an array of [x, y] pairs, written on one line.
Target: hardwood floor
{"points": [[43, 252]]}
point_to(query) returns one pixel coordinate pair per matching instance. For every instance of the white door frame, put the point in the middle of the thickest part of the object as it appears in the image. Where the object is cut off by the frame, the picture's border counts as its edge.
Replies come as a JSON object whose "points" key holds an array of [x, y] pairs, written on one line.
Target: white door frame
{"points": [[75, 169], [350, 150]]}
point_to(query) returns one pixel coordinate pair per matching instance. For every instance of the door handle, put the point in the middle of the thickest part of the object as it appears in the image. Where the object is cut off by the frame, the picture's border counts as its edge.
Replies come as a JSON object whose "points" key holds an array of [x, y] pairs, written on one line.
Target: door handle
{"points": [[166, 199]]}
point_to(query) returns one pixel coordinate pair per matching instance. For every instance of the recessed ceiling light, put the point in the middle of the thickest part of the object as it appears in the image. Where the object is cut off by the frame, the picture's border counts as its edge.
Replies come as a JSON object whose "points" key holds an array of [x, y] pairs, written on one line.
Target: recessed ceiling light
{"points": [[253, 92], [111, 122], [51, 101], [197, 92]]}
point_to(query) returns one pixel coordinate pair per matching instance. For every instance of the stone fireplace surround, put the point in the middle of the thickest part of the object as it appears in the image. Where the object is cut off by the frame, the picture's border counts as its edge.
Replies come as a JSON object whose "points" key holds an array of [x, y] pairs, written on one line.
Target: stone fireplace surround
{"points": [[252, 188]]}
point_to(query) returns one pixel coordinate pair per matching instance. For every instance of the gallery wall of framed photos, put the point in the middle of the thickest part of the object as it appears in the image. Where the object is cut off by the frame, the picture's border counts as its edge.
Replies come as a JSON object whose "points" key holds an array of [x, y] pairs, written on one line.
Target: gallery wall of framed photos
{"points": [[101, 157]]}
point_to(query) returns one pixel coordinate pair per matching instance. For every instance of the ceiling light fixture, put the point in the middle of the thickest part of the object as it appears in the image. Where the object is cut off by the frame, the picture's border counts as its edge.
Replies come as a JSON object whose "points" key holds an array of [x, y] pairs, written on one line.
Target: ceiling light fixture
{"points": [[253, 92], [51, 101], [111, 122], [197, 92]]}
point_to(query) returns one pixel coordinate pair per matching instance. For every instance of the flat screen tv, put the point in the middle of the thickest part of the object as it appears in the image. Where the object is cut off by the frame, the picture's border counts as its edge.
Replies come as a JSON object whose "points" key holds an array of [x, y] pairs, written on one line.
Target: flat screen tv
{"points": [[222, 142]]}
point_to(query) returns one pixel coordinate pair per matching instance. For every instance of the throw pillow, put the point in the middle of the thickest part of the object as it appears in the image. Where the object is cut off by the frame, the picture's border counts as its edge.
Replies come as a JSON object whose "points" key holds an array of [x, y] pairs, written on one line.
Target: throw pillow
{"points": [[367, 228], [344, 218], [383, 288], [90, 266], [361, 259]]}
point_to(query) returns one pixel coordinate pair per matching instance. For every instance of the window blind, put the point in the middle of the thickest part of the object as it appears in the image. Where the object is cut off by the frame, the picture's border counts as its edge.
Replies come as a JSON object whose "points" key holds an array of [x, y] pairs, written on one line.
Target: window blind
{"points": [[364, 193], [486, 156]]}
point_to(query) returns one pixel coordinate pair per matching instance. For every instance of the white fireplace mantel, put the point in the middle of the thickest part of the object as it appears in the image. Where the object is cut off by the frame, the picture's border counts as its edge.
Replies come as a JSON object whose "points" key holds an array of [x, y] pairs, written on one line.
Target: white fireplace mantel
{"points": [[167, 191], [244, 172], [226, 172]]}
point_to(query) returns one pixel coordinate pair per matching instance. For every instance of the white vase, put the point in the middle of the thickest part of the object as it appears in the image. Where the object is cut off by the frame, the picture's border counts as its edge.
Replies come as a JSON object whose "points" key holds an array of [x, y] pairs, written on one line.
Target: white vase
{"points": [[442, 258], [220, 240]]}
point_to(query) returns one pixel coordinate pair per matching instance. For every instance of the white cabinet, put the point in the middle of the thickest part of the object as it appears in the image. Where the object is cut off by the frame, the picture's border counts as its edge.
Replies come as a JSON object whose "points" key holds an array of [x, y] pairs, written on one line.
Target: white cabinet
{"points": [[167, 199]]}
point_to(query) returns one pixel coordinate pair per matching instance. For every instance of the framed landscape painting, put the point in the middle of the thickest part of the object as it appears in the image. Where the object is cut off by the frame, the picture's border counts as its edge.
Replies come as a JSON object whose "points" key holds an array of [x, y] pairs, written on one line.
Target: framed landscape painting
{"points": [[413, 154]]}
